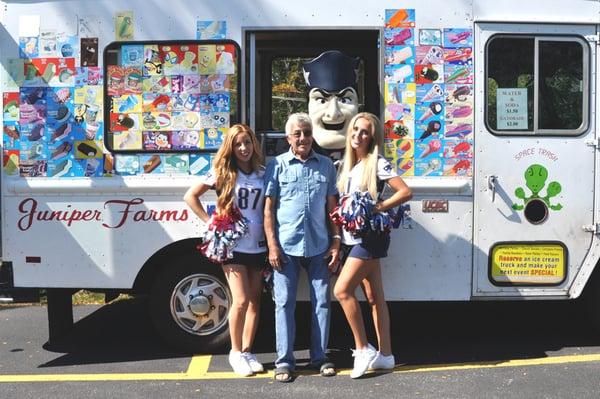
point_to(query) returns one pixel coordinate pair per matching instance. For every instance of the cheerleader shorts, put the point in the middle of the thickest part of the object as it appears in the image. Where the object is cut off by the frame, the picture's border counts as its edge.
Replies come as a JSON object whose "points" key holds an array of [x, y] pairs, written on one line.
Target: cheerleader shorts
{"points": [[374, 246], [257, 261]]}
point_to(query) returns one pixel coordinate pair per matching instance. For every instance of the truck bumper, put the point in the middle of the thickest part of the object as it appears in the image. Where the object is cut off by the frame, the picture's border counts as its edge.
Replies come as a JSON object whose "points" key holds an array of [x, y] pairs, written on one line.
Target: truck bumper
{"points": [[8, 292]]}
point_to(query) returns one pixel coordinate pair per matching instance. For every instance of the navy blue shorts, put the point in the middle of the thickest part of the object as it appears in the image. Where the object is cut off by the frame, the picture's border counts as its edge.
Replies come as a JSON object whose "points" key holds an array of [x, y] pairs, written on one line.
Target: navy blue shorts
{"points": [[257, 261], [374, 246]]}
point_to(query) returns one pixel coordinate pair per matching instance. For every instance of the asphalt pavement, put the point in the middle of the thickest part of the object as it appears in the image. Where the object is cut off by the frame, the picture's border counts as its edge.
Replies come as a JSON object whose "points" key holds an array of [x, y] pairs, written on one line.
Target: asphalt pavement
{"points": [[443, 350]]}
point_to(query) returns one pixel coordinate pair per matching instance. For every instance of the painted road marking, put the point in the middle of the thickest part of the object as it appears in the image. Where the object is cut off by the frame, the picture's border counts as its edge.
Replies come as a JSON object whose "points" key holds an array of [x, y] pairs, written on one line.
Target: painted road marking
{"points": [[198, 370]]}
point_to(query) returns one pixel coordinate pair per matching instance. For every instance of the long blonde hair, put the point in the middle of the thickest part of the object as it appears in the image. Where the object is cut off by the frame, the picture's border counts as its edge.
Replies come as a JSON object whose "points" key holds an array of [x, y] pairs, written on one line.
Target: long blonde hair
{"points": [[226, 168], [368, 180]]}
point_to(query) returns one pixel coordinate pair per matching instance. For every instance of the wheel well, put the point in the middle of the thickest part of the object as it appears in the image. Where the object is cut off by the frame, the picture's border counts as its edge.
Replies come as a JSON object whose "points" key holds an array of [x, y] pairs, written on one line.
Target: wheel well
{"points": [[178, 249], [593, 282]]}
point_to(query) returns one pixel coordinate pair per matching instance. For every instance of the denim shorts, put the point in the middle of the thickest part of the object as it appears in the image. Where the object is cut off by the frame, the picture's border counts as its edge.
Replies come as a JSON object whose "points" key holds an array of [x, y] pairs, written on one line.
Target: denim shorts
{"points": [[257, 261], [374, 246]]}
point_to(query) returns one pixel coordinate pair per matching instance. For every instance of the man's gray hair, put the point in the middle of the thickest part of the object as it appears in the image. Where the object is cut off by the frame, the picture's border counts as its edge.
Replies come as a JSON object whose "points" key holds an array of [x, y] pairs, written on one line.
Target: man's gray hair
{"points": [[299, 118]]}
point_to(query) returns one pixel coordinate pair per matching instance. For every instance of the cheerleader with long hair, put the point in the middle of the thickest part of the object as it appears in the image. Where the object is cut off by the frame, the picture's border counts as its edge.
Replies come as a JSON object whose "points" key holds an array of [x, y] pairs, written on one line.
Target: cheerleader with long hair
{"points": [[364, 169], [237, 177]]}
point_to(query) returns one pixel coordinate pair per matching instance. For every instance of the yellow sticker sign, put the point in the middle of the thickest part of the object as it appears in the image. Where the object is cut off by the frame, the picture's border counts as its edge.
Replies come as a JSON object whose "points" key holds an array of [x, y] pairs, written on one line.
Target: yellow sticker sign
{"points": [[528, 263]]}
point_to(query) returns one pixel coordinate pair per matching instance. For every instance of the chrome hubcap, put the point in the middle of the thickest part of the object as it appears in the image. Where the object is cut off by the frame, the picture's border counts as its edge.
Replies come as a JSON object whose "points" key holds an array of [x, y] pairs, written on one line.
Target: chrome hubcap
{"points": [[200, 304]]}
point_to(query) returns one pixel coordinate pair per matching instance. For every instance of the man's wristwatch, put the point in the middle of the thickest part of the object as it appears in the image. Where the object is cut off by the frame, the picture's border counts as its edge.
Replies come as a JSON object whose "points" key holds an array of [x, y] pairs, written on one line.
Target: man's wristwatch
{"points": [[337, 237]]}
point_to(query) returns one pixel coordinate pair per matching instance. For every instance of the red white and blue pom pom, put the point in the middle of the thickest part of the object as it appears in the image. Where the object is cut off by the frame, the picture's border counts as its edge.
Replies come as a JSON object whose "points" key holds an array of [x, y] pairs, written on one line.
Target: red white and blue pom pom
{"points": [[356, 214], [221, 234]]}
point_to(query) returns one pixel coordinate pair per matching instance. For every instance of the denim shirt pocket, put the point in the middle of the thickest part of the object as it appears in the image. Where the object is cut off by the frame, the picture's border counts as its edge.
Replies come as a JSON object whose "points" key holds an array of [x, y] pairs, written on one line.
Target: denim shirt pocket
{"points": [[319, 184], [288, 185]]}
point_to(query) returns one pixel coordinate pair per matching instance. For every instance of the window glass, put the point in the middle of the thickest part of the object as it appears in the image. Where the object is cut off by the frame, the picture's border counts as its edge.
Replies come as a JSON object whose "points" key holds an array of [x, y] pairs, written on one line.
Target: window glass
{"points": [[557, 106], [511, 71], [560, 85]]}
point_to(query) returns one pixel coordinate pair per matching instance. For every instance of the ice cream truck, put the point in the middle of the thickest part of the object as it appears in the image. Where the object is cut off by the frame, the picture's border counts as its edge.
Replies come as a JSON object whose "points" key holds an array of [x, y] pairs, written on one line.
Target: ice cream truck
{"points": [[112, 109]]}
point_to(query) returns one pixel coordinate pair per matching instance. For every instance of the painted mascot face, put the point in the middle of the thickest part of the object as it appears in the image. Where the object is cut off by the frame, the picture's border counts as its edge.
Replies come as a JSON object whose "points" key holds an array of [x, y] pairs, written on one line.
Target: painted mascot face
{"points": [[330, 114]]}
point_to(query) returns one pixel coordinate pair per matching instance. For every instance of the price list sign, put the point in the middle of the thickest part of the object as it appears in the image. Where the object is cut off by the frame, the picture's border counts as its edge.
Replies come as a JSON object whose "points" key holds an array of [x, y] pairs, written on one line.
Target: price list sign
{"points": [[512, 109]]}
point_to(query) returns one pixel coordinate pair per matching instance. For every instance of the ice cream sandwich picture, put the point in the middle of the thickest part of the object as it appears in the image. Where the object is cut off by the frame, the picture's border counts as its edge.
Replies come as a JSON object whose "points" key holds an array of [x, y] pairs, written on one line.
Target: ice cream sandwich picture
{"points": [[87, 149], [152, 163]]}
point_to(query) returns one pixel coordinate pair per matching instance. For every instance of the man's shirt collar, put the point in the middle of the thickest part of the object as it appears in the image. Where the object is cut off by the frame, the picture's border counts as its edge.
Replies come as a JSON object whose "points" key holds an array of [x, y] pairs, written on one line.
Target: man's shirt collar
{"points": [[289, 156]]}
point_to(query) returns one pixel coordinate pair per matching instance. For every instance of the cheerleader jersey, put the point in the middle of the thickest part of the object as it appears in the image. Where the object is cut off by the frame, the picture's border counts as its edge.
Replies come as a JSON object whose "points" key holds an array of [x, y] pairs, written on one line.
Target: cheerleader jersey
{"points": [[249, 198], [385, 171]]}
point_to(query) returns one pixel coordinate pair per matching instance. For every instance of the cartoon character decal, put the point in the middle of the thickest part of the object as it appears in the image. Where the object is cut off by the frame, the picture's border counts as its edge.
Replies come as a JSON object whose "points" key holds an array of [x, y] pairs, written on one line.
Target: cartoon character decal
{"points": [[535, 180]]}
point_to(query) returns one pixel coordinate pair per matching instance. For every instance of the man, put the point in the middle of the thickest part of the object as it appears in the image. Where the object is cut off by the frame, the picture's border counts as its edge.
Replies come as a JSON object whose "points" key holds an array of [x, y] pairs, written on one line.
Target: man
{"points": [[332, 98], [300, 193]]}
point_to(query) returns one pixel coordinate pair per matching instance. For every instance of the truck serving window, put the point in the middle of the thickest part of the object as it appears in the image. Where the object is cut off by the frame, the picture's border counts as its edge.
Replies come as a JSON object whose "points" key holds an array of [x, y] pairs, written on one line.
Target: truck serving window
{"points": [[170, 96], [275, 80], [537, 85], [289, 92]]}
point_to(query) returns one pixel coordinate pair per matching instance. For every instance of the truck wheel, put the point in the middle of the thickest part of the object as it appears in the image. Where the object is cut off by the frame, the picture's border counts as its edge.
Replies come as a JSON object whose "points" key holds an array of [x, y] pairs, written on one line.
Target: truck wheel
{"points": [[189, 304]]}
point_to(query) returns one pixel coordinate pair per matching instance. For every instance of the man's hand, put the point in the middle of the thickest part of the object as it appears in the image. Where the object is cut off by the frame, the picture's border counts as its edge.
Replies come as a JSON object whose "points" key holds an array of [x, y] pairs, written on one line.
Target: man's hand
{"points": [[333, 254], [275, 258]]}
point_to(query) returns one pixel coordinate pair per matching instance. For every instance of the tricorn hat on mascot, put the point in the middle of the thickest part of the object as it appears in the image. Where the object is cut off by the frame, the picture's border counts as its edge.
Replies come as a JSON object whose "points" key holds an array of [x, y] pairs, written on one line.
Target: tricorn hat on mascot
{"points": [[331, 71]]}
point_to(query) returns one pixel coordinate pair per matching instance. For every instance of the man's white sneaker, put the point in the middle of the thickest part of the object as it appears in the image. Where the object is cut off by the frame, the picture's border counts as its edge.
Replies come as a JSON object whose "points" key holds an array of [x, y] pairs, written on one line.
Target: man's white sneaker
{"points": [[362, 360], [381, 362], [239, 364], [253, 362]]}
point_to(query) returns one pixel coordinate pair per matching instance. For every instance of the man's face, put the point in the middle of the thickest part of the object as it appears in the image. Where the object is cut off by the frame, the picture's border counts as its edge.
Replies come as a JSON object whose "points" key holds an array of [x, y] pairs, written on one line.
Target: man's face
{"points": [[330, 114], [301, 139]]}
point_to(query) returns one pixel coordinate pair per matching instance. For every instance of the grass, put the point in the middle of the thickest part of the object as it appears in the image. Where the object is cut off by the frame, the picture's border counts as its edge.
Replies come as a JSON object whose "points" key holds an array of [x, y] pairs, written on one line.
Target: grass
{"points": [[85, 297]]}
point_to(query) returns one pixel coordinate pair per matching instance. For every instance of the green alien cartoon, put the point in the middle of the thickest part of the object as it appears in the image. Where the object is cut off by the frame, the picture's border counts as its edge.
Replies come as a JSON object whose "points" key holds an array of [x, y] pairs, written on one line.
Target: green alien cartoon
{"points": [[535, 180]]}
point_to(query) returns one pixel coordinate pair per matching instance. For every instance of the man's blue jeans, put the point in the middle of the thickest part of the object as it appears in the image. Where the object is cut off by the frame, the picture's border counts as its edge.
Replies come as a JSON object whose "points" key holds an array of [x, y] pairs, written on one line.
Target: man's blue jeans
{"points": [[285, 285]]}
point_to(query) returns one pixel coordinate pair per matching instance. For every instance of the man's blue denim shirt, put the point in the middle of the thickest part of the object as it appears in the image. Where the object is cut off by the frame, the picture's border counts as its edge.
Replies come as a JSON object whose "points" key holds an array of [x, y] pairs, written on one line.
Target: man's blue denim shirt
{"points": [[300, 190]]}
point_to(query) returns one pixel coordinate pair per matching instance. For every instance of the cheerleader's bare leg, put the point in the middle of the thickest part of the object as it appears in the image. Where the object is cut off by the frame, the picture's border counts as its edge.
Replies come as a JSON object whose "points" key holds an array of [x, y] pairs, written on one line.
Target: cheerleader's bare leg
{"points": [[237, 278], [253, 311], [372, 287]]}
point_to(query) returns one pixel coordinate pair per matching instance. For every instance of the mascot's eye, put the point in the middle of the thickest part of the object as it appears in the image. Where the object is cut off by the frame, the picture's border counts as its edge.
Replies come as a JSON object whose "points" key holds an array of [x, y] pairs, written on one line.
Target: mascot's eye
{"points": [[346, 100], [320, 100]]}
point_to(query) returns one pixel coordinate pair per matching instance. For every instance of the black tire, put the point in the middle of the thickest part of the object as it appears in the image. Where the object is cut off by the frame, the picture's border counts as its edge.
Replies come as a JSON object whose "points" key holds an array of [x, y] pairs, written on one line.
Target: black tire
{"points": [[172, 307]]}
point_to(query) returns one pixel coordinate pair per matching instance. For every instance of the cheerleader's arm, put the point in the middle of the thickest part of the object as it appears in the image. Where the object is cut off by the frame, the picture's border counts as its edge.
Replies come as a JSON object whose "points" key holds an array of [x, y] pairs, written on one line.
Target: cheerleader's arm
{"points": [[192, 198], [402, 193]]}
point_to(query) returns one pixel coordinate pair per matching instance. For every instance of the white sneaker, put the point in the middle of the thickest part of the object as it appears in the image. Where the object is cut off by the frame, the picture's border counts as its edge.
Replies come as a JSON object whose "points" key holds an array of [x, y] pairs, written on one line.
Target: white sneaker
{"points": [[255, 365], [381, 362], [362, 360], [239, 364]]}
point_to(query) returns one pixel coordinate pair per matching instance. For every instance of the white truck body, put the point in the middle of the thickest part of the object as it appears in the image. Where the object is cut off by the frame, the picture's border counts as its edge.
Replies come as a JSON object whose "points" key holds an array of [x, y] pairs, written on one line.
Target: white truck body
{"points": [[95, 242]]}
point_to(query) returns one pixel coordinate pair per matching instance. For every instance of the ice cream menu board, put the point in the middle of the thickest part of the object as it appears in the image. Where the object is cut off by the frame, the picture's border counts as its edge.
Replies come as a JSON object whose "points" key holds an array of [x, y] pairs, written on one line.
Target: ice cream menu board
{"points": [[168, 104], [428, 96]]}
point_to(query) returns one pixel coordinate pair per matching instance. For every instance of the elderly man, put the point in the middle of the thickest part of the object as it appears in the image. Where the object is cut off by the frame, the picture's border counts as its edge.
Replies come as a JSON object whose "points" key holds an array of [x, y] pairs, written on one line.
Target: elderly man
{"points": [[300, 192]]}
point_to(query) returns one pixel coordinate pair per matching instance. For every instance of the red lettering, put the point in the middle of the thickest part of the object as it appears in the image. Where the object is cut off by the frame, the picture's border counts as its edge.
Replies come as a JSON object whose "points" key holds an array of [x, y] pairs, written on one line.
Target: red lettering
{"points": [[124, 210], [28, 207], [124, 213]]}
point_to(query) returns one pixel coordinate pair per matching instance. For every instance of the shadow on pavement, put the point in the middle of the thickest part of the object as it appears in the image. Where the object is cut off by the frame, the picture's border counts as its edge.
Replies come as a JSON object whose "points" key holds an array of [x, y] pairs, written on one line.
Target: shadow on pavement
{"points": [[423, 333], [118, 332]]}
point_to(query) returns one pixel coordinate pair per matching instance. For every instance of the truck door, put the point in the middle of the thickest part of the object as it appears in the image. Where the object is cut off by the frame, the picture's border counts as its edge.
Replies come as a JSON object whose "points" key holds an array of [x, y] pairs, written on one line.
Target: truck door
{"points": [[534, 164]]}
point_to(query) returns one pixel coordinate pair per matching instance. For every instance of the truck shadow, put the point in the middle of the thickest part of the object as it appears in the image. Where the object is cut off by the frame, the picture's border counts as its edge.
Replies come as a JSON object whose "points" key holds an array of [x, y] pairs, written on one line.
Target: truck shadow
{"points": [[432, 333]]}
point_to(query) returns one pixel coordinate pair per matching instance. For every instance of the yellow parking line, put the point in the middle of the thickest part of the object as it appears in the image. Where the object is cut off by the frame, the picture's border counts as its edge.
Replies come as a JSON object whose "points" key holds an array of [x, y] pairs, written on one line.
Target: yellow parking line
{"points": [[196, 370], [542, 361], [198, 367]]}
